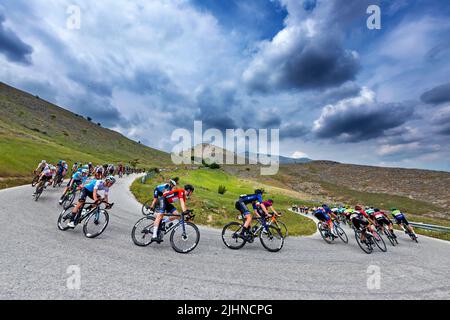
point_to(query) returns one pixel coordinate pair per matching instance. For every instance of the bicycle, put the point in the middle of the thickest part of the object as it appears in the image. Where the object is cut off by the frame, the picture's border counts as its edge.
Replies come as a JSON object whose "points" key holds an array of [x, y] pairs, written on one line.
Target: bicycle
{"points": [[329, 235], [39, 189], [388, 233], [268, 236], [184, 234], [372, 239], [412, 235], [70, 196], [58, 180], [273, 220], [93, 217]]}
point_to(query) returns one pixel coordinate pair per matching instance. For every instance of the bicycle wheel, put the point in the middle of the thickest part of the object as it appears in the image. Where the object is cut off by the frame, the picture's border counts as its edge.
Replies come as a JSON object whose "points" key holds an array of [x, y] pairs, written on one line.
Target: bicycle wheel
{"points": [[68, 200], [96, 223], [324, 233], [390, 237], [143, 231], [366, 247], [64, 219], [185, 239], [271, 239], [231, 236], [341, 234], [39, 190], [378, 239], [283, 229]]}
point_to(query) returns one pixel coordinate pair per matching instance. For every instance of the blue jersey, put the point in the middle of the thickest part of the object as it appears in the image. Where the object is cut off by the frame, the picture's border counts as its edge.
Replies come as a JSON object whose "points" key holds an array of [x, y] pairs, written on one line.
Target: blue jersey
{"points": [[254, 199], [161, 189], [97, 185], [78, 177]]}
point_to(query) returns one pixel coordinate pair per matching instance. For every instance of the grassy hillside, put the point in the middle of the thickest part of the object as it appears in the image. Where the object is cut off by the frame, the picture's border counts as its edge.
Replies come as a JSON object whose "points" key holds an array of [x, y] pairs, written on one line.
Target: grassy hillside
{"points": [[32, 129], [216, 210]]}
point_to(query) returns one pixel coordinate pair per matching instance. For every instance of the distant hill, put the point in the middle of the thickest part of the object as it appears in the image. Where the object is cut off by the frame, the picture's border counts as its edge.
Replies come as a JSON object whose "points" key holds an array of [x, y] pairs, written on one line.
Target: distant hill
{"points": [[206, 150], [282, 159], [32, 129]]}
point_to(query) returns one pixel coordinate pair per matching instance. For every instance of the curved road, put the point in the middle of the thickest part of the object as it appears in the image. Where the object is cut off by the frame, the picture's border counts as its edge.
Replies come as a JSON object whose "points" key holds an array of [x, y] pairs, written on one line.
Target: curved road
{"points": [[35, 256]]}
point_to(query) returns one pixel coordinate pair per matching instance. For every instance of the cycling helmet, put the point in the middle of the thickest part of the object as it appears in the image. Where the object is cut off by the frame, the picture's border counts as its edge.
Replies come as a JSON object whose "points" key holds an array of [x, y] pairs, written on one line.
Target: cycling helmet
{"points": [[110, 179], [85, 171], [43, 162], [376, 210], [358, 208], [259, 191], [393, 209], [173, 182], [324, 206], [189, 188], [270, 201], [52, 168]]}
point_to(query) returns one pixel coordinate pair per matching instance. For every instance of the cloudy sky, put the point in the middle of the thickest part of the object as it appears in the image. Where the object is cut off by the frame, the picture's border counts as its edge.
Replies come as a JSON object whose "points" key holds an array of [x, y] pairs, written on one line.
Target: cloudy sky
{"points": [[312, 68]]}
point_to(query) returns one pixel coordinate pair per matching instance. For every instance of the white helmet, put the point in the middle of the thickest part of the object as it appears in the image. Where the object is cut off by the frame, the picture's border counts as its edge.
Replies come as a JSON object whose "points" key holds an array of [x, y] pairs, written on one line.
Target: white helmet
{"points": [[85, 171], [43, 162]]}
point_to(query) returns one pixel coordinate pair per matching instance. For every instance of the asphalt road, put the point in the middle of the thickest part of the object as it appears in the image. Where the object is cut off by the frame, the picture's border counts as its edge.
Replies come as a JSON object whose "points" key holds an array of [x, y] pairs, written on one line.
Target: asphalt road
{"points": [[35, 257]]}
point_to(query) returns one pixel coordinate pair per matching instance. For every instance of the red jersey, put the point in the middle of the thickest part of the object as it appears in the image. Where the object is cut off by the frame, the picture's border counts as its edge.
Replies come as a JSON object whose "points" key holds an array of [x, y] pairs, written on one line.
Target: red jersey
{"points": [[175, 195]]}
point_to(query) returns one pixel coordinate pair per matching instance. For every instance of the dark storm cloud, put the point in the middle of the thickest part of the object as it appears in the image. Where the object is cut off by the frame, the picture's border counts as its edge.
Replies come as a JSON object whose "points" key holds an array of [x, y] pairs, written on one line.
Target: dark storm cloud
{"points": [[309, 64], [437, 95], [308, 54], [12, 46], [214, 108], [99, 109], [356, 121], [293, 130], [441, 121], [318, 65]]}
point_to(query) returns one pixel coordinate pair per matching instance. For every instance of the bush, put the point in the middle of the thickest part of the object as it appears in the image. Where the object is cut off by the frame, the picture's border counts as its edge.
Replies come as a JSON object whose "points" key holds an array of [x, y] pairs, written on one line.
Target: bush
{"points": [[222, 189], [214, 166]]}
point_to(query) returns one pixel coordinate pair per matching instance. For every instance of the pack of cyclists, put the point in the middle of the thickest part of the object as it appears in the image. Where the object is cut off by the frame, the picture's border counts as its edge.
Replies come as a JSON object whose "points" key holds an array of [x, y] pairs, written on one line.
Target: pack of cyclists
{"points": [[90, 180]]}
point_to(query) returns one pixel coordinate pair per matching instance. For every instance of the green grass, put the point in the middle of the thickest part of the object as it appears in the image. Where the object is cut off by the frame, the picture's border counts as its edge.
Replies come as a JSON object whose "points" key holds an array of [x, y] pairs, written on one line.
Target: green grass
{"points": [[215, 210]]}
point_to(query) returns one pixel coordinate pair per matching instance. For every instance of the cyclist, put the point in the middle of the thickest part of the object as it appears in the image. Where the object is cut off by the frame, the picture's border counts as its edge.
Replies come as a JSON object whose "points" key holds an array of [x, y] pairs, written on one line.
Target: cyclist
{"points": [[45, 176], [91, 190], [41, 166], [361, 221], [241, 205], [325, 214], [166, 206], [263, 214], [110, 170], [161, 189], [98, 172], [77, 179], [400, 219], [382, 220]]}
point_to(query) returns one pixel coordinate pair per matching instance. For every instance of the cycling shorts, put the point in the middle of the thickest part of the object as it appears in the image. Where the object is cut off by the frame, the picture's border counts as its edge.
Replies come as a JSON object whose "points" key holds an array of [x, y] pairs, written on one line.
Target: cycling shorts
{"points": [[86, 193], [401, 219], [165, 206], [383, 221], [360, 222], [240, 205]]}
